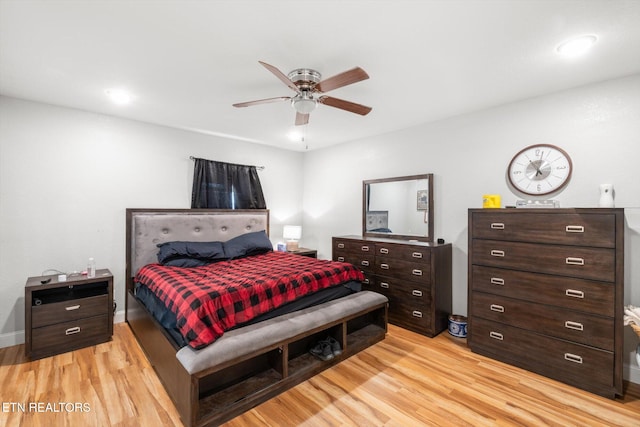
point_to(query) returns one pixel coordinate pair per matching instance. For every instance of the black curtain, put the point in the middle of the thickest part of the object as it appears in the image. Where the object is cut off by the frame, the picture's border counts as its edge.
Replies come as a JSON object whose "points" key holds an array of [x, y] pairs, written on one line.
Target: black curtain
{"points": [[219, 185]]}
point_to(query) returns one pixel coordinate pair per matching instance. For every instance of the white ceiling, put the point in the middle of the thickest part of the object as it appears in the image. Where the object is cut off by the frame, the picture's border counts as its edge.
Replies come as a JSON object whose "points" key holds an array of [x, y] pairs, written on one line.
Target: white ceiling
{"points": [[186, 62]]}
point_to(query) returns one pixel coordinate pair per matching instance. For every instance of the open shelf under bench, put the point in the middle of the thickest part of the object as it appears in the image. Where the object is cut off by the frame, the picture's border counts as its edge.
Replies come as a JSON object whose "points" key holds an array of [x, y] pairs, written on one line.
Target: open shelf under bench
{"points": [[221, 392]]}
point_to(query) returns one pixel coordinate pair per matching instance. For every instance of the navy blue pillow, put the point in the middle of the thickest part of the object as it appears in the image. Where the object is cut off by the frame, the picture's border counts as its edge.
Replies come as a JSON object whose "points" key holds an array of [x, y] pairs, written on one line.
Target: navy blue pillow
{"points": [[206, 252], [188, 262], [253, 243]]}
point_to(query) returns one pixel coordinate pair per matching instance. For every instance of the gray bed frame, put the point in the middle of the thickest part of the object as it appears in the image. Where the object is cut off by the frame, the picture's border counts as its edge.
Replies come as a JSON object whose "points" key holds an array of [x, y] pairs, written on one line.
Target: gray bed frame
{"points": [[251, 364]]}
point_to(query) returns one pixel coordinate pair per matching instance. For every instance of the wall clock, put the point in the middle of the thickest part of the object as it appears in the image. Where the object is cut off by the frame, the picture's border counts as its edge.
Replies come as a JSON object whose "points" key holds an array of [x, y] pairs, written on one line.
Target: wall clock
{"points": [[539, 170]]}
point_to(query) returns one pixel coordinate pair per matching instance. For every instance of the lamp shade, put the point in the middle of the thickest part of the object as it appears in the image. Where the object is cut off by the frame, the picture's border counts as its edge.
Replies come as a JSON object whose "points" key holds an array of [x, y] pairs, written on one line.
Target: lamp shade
{"points": [[292, 232]]}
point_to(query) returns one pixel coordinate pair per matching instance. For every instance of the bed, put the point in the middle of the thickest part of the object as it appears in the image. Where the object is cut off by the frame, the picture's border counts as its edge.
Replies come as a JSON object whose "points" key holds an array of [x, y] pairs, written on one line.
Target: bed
{"points": [[250, 357]]}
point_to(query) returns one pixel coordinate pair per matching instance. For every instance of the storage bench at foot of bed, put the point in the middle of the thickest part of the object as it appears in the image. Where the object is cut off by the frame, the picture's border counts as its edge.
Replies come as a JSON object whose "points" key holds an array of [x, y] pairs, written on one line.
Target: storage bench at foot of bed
{"points": [[250, 365]]}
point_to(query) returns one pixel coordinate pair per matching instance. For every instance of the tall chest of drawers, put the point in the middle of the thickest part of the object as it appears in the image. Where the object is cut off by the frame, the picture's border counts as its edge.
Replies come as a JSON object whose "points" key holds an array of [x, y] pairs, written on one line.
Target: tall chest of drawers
{"points": [[546, 292], [414, 276]]}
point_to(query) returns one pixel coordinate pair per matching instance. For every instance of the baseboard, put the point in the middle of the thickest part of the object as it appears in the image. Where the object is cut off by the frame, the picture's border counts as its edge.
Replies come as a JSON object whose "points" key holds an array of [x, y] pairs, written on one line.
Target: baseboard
{"points": [[632, 374], [118, 316], [11, 339]]}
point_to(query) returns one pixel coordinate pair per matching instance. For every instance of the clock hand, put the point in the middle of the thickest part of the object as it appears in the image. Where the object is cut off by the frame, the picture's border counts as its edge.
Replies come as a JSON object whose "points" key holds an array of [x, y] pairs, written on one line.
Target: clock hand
{"points": [[538, 171]]}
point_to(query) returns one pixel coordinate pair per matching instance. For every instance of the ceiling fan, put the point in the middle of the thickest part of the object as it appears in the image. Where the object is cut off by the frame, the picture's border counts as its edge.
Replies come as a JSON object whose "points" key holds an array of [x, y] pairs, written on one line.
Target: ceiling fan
{"points": [[308, 86]]}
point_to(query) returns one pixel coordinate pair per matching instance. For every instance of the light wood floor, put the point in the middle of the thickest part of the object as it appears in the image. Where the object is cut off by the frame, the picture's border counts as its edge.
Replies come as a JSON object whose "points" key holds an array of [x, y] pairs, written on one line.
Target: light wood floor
{"points": [[406, 380]]}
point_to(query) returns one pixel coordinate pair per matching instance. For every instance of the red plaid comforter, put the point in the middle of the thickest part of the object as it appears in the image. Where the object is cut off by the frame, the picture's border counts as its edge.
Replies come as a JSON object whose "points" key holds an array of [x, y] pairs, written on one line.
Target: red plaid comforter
{"points": [[212, 299]]}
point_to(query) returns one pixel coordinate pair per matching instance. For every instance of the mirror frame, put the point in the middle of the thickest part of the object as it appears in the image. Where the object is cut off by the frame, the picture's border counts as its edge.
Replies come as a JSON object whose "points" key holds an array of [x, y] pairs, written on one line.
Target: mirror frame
{"points": [[428, 238]]}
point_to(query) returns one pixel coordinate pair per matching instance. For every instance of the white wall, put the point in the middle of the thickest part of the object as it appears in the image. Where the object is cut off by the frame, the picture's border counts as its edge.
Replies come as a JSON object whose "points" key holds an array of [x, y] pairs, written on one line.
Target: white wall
{"points": [[67, 176], [598, 125]]}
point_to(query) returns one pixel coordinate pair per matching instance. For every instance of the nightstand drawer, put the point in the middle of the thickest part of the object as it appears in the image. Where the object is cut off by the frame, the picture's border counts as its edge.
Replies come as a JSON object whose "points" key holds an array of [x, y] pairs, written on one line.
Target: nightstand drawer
{"points": [[67, 336], [49, 314]]}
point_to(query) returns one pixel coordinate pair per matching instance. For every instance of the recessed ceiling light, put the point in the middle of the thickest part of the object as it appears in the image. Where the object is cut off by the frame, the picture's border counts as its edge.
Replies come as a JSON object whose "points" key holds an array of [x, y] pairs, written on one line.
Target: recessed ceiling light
{"points": [[576, 46], [118, 96]]}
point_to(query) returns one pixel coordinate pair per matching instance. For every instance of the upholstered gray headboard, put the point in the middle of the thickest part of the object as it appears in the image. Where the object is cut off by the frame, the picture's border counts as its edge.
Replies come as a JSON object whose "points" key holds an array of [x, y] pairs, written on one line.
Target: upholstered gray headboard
{"points": [[146, 228]]}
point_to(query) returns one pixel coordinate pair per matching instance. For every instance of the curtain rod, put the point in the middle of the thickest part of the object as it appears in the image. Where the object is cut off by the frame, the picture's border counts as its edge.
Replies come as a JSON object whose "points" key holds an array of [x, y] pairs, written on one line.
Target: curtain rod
{"points": [[257, 167]]}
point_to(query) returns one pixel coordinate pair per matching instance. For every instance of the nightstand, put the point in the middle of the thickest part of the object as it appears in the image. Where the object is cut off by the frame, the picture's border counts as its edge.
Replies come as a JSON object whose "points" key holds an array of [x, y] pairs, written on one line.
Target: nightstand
{"points": [[65, 316], [312, 253]]}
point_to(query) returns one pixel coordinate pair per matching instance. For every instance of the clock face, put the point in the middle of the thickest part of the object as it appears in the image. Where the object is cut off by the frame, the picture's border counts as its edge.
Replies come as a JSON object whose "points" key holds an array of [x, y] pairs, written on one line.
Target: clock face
{"points": [[539, 170]]}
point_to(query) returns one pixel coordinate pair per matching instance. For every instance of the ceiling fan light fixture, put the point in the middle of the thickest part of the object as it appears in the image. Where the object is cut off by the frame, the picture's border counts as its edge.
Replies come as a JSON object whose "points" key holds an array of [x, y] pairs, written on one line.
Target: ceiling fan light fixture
{"points": [[304, 103]]}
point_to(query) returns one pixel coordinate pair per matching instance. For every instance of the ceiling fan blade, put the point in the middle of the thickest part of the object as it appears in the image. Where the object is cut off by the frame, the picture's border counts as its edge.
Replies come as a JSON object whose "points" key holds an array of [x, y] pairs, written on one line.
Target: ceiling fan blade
{"points": [[279, 74], [302, 119], [262, 101], [352, 107], [343, 79]]}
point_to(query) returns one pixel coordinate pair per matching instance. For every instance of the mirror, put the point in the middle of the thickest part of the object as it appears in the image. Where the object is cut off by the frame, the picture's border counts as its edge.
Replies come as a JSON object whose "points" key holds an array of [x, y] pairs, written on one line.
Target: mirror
{"points": [[398, 208]]}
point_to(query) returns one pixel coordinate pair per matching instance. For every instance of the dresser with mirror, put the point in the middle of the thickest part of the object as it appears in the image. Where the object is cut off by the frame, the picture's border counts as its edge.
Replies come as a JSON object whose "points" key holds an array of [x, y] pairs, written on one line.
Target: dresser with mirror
{"points": [[397, 253]]}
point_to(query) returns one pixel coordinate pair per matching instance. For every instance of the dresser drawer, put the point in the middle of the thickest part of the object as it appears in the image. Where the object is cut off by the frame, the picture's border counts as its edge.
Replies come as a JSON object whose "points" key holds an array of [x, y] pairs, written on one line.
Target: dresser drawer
{"points": [[567, 229], [407, 270], [353, 246], [576, 294], [70, 335], [403, 252], [364, 262], [578, 365], [553, 321], [574, 261], [401, 291], [49, 314], [409, 316]]}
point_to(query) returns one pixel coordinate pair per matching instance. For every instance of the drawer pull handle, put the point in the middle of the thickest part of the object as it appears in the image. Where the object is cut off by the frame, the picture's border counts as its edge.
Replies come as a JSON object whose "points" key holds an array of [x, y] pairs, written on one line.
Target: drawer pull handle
{"points": [[72, 307], [384, 285], [574, 261], [365, 263], [496, 335], [341, 245], [574, 229], [384, 250], [573, 325], [417, 313], [71, 331], [416, 293], [574, 293], [496, 307], [384, 266], [497, 281], [417, 272], [497, 226], [572, 358], [366, 281], [341, 258], [495, 252], [417, 255], [365, 249]]}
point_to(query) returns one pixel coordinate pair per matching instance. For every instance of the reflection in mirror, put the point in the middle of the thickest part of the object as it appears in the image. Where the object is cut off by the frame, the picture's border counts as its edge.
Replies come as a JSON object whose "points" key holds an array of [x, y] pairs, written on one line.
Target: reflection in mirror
{"points": [[399, 208]]}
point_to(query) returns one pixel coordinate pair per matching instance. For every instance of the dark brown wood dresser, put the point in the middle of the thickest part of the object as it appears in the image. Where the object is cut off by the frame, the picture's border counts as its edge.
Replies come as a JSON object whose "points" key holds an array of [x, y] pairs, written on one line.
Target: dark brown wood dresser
{"points": [[546, 292], [414, 276]]}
